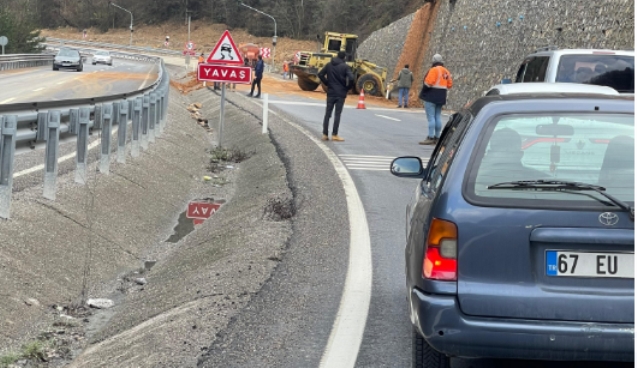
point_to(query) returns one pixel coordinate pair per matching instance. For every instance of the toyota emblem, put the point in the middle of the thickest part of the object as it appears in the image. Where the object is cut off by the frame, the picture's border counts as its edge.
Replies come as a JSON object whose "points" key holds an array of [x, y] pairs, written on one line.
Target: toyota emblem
{"points": [[608, 218]]}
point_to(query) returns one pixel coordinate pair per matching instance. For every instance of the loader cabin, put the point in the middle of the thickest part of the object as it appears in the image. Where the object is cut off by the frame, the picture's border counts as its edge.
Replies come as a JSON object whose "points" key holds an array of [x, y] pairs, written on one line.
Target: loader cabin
{"points": [[335, 42]]}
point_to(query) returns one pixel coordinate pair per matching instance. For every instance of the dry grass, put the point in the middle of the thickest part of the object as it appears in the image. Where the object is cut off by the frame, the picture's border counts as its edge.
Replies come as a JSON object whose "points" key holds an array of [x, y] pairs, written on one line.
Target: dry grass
{"points": [[204, 36]]}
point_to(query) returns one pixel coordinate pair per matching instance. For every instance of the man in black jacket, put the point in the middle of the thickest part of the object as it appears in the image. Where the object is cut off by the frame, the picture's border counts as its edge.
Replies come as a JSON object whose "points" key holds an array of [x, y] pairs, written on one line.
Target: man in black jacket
{"points": [[339, 79]]}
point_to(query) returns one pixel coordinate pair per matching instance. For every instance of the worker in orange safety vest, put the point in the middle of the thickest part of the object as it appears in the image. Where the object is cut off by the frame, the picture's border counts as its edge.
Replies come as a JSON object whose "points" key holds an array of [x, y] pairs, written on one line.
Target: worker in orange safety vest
{"points": [[434, 95]]}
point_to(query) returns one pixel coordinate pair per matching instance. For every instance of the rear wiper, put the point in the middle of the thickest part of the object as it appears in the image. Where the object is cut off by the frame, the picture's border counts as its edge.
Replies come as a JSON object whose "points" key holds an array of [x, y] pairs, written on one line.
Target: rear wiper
{"points": [[558, 185]]}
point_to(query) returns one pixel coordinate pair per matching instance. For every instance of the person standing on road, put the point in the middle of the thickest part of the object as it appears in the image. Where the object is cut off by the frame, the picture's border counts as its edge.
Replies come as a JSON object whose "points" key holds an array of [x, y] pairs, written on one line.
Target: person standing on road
{"points": [[434, 95], [405, 80], [338, 78], [258, 75]]}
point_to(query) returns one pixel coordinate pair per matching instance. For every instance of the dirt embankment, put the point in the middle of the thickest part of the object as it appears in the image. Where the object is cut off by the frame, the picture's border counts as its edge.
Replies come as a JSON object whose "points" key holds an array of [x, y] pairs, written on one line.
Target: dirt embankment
{"points": [[204, 35], [416, 45]]}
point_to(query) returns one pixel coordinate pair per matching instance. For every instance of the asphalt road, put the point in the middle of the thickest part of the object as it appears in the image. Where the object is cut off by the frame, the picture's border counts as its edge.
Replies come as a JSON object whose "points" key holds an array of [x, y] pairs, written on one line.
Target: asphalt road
{"points": [[43, 84], [373, 137]]}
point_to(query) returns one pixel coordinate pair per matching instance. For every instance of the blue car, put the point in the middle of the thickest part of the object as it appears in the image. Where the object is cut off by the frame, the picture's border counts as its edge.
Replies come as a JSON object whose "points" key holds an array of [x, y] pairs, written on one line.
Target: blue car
{"points": [[520, 235]]}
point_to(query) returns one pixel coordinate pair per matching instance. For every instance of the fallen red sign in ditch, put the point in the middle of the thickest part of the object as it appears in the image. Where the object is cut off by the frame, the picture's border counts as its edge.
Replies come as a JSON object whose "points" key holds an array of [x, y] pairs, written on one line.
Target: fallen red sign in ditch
{"points": [[201, 210]]}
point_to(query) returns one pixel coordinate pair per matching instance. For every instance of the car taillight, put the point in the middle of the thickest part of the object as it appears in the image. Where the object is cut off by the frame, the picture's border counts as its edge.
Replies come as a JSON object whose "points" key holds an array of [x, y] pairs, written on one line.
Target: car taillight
{"points": [[440, 259]]}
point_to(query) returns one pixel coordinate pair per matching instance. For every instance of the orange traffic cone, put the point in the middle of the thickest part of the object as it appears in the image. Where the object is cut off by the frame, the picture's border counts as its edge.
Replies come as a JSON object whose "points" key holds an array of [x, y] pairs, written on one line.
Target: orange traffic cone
{"points": [[361, 100]]}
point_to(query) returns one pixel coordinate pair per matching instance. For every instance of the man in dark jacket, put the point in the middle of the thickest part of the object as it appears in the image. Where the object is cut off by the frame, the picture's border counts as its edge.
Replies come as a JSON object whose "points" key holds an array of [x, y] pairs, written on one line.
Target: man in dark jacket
{"points": [[339, 79], [258, 75]]}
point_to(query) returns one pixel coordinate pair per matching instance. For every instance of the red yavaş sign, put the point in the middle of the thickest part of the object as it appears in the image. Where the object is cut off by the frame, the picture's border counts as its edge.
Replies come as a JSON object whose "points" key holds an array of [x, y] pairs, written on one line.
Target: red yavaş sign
{"points": [[201, 210], [224, 73]]}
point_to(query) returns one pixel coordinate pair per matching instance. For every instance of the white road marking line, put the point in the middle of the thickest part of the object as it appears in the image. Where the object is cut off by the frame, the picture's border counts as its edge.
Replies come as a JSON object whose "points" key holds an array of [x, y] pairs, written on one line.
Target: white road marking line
{"points": [[366, 169], [348, 328], [145, 80], [345, 107], [7, 100], [60, 159], [387, 117], [39, 89]]}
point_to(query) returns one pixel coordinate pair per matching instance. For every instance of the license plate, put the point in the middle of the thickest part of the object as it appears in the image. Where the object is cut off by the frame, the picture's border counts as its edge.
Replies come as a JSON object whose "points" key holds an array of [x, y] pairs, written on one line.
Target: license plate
{"points": [[586, 264]]}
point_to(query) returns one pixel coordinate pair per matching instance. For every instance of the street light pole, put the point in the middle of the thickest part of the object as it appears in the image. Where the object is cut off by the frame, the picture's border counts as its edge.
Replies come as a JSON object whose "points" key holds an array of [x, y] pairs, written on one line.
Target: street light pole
{"points": [[131, 20], [189, 12], [273, 38]]}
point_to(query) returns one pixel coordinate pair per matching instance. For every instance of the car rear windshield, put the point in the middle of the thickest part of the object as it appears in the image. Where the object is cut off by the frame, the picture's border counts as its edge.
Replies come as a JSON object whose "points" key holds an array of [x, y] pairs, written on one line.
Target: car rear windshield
{"points": [[67, 52], [588, 148], [615, 71]]}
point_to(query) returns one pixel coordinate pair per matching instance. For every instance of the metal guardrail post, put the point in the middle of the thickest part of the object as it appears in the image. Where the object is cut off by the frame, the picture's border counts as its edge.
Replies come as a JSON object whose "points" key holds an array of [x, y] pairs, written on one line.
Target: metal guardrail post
{"points": [[161, 104], [51, 154], [41, 134], [74, 120], [137, 117], [121, 133], [145, 118], [82, 146], [107, 127], [152, 117], [98, 117], [8, 128]]}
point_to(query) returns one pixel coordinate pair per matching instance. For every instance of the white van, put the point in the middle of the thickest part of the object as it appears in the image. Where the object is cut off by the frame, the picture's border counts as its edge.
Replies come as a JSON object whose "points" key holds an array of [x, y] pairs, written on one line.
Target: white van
{"points": [[612, 68]]}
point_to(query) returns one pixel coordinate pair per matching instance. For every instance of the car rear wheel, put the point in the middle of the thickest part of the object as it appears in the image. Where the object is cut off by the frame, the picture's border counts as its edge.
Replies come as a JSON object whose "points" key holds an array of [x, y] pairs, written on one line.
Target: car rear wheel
{"points": [[80, 68], [54, 68], [424, 356]]}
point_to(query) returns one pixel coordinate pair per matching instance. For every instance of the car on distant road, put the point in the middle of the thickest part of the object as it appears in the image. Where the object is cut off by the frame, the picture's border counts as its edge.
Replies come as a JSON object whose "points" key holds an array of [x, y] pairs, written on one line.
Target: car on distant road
{"points": [[68, 59], [102, 57], [520, 235], [539, 88], [612, 68]]}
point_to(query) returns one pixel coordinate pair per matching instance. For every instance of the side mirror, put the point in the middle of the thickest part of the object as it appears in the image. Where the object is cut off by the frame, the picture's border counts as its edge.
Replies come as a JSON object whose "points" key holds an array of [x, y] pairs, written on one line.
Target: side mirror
{"points": [[506, 81], [407, 167]]}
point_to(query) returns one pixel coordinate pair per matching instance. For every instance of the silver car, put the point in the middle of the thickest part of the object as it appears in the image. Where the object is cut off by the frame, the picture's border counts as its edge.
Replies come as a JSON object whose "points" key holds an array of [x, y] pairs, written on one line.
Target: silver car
{"points": [[103, 57], [69, 59]]}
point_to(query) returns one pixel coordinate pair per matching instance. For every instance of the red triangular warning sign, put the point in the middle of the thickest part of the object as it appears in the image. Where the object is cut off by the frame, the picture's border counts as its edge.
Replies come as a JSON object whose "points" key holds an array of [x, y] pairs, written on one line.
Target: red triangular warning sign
{"points": [[225, 52]]}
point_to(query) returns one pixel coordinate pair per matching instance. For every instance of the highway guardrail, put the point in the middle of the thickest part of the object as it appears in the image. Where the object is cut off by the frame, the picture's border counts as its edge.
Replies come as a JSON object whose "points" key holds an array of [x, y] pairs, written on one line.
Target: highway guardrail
{"points": [[144, 112], [17, 61], [88, 44]]}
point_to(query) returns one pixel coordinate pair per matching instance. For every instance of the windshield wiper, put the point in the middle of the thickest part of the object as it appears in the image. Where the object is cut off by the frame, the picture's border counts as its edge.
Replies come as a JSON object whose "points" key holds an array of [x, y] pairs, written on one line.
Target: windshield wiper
{"points": [[559, 185]]}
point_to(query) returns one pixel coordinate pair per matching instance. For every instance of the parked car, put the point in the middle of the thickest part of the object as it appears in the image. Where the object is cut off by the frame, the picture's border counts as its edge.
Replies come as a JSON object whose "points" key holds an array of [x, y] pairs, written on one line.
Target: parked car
{"points": [[103, 57], [68, 59], [541, 88], [520, 236], [610, 68]]}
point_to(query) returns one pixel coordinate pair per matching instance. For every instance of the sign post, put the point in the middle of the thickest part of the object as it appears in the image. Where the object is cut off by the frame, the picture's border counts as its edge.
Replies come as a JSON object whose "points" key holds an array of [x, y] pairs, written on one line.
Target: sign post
{"points": [[3, 42], [224, 65]]}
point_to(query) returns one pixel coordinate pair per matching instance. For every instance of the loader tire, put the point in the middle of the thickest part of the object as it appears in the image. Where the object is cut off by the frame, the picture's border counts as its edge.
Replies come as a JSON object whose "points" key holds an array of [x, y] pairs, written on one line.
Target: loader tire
{"points": [[370, 84], [307, 85]]}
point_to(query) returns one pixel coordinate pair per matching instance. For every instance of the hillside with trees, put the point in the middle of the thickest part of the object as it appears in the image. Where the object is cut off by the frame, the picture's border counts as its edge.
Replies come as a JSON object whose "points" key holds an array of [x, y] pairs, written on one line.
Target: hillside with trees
{"points": [[301, 19]]}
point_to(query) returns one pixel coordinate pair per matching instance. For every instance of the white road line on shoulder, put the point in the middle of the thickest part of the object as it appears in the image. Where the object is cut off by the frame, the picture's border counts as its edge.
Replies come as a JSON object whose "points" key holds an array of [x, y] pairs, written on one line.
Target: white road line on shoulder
{"points": [[39, 89], [367, 169], [60, 160], [145, 80], [387, 117], [348, 328], [7, 100]]}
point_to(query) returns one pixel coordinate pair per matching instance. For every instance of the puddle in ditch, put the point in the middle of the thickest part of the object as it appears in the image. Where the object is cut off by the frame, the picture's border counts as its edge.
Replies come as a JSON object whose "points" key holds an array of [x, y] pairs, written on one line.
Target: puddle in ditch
{"points": [[186, 225]]}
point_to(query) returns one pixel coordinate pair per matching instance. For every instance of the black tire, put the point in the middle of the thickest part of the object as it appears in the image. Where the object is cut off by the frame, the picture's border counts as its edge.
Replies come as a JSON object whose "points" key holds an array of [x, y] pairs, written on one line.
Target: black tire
{"points": [[111, 64], [424, 356], [370, 84], [94, 63], [55, 69], [307, 85], [80, 68]]}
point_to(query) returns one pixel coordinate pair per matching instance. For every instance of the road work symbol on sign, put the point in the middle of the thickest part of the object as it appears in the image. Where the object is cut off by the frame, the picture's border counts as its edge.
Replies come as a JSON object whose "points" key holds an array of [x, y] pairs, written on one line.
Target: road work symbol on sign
{"points": [[225, 52], [201, 210]]}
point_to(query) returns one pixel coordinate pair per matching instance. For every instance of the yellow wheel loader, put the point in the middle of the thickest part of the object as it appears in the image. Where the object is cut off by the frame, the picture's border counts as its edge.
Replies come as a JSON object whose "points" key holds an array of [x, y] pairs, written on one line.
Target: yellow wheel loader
{"points": [[369, 77]]}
